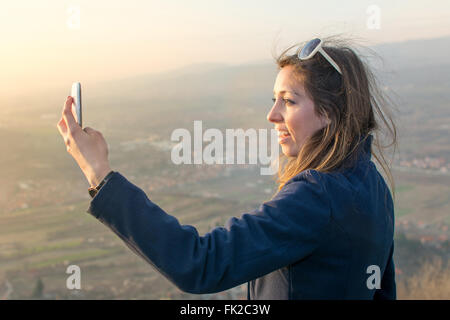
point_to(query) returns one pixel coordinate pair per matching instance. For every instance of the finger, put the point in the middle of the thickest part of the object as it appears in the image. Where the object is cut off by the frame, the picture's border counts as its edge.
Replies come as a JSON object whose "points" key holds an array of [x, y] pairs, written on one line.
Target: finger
{"points": [[62, 127], [68, 116], [63, 131]]}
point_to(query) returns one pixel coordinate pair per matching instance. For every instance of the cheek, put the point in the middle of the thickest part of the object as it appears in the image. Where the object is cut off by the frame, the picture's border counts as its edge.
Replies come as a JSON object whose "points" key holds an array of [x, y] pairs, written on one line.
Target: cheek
{"points": [[303, 123]]}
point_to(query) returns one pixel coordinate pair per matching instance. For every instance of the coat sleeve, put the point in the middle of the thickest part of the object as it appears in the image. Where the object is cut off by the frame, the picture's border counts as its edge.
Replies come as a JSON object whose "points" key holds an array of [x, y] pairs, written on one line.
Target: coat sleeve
{"points": [[388, 286], [281, 231]]}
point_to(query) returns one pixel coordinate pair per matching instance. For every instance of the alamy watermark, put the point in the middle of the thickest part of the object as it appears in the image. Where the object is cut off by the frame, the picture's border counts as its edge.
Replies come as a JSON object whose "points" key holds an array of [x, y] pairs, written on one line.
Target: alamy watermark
{"points": [[213, 153], [374, 19], [74, 280], [73, 20], [374, 280]]}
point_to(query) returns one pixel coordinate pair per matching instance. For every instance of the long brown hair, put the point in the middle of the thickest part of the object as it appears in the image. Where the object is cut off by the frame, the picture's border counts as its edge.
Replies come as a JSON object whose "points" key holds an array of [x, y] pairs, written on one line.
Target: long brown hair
{"points": [[353, 102]]}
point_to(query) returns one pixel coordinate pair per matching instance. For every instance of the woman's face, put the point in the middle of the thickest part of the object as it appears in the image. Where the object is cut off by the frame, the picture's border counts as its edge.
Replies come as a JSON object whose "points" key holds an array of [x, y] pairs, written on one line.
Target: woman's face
{"points": [[293, 113]]}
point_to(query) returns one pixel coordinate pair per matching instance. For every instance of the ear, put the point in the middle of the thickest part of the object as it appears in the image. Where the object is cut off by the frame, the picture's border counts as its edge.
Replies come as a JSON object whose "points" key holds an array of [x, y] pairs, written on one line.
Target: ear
{"points": [[324, 121]]}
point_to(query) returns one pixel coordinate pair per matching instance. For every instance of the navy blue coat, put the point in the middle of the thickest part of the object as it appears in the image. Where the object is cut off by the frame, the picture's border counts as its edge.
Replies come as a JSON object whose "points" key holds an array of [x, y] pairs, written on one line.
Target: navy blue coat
{"points": [[315, 239]]}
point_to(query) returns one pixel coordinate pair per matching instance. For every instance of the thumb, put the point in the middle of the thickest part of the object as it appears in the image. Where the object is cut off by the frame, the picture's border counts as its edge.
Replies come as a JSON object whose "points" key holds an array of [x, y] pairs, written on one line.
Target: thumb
{"points": [[89, 130]]}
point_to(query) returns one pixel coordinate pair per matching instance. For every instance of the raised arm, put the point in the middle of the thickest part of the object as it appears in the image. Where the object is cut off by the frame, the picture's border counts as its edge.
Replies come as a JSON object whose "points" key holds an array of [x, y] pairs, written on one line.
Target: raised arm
{"points": [[281, 231]]}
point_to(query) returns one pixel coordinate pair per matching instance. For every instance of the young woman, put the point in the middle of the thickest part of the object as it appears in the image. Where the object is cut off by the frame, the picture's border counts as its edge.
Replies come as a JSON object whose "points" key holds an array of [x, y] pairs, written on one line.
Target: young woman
{"points": [[328, 231]]}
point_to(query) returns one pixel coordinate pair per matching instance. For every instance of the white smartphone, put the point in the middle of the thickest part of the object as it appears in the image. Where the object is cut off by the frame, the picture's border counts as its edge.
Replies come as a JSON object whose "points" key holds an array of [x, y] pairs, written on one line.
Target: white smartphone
{"points": [[76, 95]]}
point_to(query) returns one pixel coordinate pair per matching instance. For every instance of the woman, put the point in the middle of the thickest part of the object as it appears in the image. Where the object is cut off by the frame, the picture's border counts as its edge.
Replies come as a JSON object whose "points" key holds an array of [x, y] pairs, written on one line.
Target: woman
{"points": [[328, 231]]}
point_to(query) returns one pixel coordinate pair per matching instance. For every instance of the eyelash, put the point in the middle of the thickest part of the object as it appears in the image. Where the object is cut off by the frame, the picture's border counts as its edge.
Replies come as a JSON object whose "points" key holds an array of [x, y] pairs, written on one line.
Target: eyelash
{"points": [[286, 101]]}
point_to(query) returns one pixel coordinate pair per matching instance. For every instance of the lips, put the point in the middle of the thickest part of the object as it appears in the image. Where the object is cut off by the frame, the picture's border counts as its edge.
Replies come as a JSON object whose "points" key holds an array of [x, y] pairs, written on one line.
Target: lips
{"points": [[283, 136], [282, 133]]}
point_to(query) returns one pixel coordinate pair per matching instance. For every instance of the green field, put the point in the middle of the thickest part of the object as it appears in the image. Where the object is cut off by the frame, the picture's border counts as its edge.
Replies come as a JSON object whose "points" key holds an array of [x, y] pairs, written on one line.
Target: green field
{"points": [[44, 226]]}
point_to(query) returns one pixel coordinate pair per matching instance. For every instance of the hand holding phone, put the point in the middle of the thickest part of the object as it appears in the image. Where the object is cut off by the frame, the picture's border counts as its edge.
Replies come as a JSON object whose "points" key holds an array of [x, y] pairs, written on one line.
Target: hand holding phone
{"points": [[76, 95]]}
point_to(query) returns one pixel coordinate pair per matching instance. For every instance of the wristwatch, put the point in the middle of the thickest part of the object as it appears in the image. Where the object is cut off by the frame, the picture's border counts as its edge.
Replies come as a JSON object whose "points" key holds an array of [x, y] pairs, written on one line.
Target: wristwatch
{"points": [[93, 190]]}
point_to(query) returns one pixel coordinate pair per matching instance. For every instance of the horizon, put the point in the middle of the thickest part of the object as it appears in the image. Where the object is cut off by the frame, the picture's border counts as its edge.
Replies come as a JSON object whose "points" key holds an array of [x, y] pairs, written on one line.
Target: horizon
{"points": [[223, 64], [110, 40]]}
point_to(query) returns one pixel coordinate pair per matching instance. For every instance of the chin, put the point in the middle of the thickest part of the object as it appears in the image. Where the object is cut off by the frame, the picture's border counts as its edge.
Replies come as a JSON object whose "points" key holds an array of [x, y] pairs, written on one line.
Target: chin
{"points": [[288, 151]]}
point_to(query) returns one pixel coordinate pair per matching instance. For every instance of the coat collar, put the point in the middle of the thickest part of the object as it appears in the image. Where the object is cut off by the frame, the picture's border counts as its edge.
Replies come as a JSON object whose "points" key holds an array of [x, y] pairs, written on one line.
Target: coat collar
{"points": [[361, 154], [365, 147]]}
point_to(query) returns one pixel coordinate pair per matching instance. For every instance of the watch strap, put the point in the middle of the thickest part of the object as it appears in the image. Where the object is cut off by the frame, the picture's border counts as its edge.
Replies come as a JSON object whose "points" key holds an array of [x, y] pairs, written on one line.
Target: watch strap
{"points": [[94, 190]]}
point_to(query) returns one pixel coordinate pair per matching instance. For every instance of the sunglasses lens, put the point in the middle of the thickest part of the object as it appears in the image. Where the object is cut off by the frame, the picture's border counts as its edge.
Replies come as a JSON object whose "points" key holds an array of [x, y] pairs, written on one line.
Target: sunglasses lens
{"points": [[308, 48]]}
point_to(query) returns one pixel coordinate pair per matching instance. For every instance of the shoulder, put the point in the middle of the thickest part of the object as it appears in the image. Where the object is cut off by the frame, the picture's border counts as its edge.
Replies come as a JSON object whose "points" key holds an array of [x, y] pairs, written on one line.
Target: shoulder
{"points": [[302, 208], [308, 176], [309, 180], [338, 190], [307, 190], [328, 187]]}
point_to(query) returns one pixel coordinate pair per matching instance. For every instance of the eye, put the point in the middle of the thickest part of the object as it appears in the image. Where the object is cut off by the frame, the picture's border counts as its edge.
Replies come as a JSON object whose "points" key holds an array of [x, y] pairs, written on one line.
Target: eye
{"points": [[286, 101]]}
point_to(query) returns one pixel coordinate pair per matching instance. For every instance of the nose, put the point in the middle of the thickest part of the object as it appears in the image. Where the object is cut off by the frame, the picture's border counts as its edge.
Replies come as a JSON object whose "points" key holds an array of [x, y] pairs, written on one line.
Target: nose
{"points": [[274, 114]]}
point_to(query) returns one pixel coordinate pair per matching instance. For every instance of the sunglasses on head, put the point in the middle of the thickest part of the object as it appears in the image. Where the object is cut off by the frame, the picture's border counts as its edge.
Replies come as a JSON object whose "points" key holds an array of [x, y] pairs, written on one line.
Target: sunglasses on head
{"points": [[311, 48]]}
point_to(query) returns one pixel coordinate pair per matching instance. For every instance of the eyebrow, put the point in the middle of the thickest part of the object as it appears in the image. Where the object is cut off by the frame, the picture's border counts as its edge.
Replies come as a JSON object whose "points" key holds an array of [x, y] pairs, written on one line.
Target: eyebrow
{"points": [[284, 91]]}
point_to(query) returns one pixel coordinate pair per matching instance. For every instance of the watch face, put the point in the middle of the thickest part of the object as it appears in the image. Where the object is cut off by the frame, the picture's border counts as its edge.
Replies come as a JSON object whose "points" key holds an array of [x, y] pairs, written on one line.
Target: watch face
{"points": [[92, 192]]}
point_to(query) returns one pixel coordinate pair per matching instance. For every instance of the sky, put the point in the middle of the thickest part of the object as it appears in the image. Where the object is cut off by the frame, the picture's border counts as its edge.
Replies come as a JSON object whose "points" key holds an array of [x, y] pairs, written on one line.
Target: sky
{"points": [[49, 43]]}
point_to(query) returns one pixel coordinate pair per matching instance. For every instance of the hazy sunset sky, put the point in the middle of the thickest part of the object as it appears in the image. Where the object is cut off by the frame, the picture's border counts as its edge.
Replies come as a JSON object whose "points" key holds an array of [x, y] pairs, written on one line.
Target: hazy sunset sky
{"points": [[46, 43]]}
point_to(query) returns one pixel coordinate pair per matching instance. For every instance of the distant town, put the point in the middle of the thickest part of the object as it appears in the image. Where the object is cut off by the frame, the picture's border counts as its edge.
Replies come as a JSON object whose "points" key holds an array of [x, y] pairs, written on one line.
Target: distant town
{"points": [[431, 163]]}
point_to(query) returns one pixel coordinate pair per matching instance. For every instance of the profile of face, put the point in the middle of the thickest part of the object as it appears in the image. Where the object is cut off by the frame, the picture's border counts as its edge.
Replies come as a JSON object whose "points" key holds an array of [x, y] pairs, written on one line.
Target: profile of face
{"points": [[293, 112]]}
